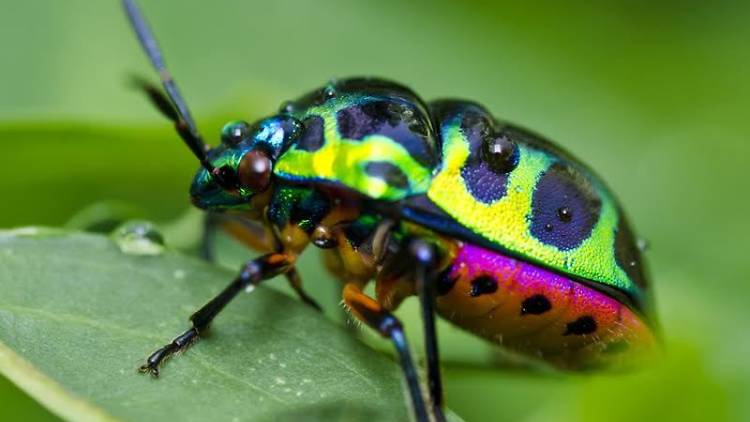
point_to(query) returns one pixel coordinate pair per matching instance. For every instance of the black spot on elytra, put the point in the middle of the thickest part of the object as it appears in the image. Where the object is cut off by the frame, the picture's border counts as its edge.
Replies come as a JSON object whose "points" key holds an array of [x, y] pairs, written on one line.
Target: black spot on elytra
{"points": [[627, 255], [565, 207], [388, 172], [583, 325], [485, 185], [312, 134], [535, 305], [400, 121], [483, 285], [445, 282]]}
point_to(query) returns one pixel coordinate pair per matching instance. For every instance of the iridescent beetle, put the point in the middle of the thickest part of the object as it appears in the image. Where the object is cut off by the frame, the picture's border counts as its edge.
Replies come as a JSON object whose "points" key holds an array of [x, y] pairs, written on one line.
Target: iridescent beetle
{"points": [[494, 228]]}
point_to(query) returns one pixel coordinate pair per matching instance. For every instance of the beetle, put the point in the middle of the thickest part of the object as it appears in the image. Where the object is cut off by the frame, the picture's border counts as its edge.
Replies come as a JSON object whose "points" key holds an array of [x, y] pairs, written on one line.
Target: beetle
{"points": [[493, 227]]}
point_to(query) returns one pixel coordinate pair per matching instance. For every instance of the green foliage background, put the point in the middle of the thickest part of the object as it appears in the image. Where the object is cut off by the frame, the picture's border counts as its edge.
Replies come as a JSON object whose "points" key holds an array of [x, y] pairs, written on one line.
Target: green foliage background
{"points": [[655, 96]]}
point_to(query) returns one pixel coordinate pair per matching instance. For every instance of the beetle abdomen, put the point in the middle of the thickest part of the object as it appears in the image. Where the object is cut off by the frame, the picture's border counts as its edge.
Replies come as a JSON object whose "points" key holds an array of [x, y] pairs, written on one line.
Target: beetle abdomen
{"points": [[534, 311]]}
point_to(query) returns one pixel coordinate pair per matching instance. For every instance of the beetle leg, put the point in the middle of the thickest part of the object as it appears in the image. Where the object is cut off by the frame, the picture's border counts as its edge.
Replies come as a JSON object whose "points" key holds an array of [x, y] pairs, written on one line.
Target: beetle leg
{"points": [[252, 273], [296, 282], [248, 232], [375, 316], [211, 224], [424, 256], [253, 235]]}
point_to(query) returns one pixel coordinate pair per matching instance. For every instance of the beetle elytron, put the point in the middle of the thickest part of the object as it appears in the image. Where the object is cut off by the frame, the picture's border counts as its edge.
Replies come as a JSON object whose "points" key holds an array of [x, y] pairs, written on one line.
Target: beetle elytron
{"points": [[492, 227]]}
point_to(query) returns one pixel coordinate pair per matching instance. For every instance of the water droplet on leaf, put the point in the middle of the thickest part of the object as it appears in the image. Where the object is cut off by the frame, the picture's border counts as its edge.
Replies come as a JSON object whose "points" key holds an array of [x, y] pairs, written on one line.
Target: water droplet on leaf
{"points": [[642, 245], [139, 238]]}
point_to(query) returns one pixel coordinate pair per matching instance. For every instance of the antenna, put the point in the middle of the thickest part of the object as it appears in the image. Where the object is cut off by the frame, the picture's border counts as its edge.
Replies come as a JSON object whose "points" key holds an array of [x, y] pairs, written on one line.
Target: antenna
{"points": [[173, 107]]}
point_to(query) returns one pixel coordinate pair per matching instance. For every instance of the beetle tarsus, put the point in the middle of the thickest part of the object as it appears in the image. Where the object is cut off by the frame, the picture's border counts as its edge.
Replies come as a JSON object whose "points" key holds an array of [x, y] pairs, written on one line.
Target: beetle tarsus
{"points": [[251, 274], [180, 343]]}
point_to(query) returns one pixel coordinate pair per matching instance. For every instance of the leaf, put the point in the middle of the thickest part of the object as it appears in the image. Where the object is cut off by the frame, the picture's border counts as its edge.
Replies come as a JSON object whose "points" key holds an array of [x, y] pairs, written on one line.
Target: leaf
{"points": [[77, 316]]}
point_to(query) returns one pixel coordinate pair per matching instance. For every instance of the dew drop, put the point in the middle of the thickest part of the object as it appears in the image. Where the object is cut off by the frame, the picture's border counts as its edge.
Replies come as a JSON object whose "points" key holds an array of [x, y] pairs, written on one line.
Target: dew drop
{"points": [[25, 231], [287, 107], [642, 245], [329, 91], [548, 227], [235, 132], [500, 153], [139, 238], [564, 214]]}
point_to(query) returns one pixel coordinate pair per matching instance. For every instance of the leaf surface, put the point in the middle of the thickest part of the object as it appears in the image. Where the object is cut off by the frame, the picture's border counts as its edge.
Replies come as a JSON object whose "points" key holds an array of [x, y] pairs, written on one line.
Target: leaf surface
{"points": [[77, 316]]}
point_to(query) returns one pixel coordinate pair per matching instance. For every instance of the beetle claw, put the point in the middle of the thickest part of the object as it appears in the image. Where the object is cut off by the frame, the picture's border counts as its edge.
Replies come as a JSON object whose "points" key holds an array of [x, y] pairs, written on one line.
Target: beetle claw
{"points": [[150, 369]]}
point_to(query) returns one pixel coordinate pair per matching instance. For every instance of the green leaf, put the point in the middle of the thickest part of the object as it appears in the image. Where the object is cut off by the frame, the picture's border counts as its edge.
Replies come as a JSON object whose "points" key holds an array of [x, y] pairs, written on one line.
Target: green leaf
{"points": [[78, 315]]}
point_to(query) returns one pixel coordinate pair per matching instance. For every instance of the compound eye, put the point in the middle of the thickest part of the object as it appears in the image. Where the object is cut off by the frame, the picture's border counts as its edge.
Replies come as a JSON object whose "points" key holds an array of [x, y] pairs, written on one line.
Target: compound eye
{"points": [[226, 177], [235, 132], [500, 153], [255, 171]]}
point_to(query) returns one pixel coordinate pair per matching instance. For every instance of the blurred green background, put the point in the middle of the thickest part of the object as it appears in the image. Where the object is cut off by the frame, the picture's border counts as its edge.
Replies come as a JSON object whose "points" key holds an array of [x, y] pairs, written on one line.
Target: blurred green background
{"points": [[653, 95]]}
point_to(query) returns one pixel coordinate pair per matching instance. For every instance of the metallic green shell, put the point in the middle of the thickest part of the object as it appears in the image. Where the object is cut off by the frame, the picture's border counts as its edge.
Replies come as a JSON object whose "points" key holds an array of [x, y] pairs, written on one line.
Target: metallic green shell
{"points": [[434, 157], [375, 140]]}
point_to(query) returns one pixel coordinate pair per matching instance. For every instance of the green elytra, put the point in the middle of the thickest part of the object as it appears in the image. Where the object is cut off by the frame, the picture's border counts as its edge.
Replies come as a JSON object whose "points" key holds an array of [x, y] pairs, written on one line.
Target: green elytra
{"points": [[429, 159]]}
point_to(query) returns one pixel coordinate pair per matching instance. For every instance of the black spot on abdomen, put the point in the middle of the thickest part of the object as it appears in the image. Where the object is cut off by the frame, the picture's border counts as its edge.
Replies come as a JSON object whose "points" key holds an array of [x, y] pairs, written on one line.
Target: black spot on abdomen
{"points": [[483, 285], [583, 325], [565, 208], [312, 134], [535, 305], [445, 282]]}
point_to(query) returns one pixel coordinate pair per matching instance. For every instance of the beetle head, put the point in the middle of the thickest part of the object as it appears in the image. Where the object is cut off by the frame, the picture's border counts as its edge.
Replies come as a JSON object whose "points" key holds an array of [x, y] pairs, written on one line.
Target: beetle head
{"points": [[240, 174]]}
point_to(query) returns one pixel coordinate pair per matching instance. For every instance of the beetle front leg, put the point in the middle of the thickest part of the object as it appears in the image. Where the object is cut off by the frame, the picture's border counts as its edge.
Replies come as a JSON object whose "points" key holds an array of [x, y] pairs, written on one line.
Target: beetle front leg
{"points": [[252, 273], [250, 233]]}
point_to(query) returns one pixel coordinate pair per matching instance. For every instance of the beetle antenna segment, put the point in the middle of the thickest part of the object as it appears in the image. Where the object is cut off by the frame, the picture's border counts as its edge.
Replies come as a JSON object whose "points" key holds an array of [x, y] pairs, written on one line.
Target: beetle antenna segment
{"points": [[183, 121]]}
